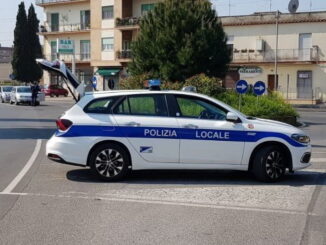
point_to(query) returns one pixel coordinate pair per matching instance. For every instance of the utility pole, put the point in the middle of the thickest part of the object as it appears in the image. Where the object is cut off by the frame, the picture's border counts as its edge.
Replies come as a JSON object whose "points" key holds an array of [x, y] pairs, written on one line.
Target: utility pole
{"points": [[270, 5], [229, 7], [276, 52]]}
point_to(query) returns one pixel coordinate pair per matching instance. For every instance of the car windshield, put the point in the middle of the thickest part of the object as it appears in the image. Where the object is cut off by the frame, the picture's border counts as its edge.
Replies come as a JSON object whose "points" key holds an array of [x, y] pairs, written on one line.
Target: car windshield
{"points": [[7, 89], [24, 90]]}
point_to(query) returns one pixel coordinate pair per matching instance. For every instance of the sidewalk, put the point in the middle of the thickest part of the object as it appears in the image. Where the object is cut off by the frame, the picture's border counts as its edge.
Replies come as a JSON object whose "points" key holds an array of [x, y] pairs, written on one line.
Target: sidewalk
{"points": [[319, 107]]}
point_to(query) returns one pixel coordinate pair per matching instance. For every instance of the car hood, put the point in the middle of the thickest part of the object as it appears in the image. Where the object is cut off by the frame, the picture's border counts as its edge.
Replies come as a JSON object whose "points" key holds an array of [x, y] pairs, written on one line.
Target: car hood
{"points": [[275, 126]]}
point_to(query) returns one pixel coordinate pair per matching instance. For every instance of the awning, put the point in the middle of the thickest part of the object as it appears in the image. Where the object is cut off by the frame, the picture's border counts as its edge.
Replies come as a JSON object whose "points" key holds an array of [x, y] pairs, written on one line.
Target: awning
{"points": [[107, 72]]}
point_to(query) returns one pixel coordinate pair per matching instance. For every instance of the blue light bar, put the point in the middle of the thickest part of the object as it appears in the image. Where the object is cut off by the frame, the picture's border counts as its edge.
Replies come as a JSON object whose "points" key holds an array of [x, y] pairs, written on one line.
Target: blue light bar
{"points": [[154, 83]]}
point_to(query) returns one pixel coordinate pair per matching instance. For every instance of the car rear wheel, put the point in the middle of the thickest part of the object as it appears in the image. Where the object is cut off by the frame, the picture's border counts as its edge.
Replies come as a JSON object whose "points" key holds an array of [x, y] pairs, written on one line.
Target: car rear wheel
{"points": [[52, 95], [66, 94], [269, 164], [109, 162]]}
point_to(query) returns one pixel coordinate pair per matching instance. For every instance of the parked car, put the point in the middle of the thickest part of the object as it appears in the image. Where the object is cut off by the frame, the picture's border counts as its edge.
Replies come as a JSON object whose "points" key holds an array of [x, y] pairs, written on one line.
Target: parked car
{"points": [[55, 90], [5, 93], [23, 94]]}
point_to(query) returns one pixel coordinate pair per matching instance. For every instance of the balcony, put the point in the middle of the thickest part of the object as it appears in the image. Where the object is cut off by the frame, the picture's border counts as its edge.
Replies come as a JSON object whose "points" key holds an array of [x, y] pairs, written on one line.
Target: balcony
{"points": [[68, 58], [53, 2], [48, 29], [127, 23], [124, 55], [283, 55]]}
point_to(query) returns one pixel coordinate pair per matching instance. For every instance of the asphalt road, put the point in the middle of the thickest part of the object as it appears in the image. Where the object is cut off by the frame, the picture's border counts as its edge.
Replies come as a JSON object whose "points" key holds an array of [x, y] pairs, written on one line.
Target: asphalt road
{"points": [[61, 204]]}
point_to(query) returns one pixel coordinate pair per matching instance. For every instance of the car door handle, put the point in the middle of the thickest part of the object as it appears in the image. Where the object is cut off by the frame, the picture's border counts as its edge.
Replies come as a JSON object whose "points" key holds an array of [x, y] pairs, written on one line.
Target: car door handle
{"points": [[191, 126], [133, 124]]}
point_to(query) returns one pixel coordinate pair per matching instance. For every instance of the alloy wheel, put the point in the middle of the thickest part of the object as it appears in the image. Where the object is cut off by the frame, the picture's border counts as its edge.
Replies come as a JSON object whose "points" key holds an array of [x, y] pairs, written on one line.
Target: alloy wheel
{"points": [[274, 166], [109, 162]]}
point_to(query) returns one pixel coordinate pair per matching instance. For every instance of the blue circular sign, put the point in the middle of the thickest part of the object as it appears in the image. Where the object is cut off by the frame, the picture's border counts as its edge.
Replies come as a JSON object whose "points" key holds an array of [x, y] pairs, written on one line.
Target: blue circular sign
{"points": [[241, 86], [259, 88], [94, 82]]}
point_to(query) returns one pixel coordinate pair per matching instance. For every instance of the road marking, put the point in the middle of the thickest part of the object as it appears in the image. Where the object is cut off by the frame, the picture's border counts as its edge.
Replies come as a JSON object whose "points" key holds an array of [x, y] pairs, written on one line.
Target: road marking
{"points": [[159, 202], [22, 173], [318, 160]]}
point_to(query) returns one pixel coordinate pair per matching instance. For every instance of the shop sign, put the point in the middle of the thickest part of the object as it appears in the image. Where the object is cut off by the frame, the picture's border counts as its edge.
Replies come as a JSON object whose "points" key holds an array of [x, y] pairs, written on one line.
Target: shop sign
{"points": [[250, 71]]}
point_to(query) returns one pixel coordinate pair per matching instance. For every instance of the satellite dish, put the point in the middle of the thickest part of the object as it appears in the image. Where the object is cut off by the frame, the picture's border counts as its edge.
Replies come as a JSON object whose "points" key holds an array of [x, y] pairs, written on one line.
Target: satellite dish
{"points": [[293, 6]]}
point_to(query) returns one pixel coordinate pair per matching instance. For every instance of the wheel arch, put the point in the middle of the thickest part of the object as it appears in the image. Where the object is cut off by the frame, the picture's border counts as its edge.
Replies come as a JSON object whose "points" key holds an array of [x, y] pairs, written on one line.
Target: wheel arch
{"points": [[269, 143], [108, 142]]}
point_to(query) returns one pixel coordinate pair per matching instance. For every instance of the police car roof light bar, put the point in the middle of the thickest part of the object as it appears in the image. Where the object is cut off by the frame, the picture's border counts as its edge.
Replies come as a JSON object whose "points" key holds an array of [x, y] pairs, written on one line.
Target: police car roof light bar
{"points": [[154, 84]]}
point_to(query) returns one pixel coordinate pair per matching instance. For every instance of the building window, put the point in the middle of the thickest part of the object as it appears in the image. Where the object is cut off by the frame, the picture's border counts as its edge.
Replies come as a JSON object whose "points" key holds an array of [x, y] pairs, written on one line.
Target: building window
{"points": [[107, 44], [107, 12], [145, 8]]}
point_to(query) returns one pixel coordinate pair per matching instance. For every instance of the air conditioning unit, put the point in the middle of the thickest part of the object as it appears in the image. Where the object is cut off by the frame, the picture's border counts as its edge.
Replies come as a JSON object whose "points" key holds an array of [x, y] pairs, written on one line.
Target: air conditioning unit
{"points": [[260, 45]]}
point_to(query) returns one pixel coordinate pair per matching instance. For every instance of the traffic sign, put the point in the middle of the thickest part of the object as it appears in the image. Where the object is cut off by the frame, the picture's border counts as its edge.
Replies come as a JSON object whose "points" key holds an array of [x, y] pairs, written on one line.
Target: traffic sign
{"points": [[259, 88], [241, 86], [94, 82]]}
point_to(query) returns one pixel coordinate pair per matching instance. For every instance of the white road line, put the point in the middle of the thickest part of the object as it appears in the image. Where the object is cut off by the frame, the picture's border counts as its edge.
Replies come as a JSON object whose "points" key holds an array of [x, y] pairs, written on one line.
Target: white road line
{"points": [[159, 202], [318, 160], [22, 173]]}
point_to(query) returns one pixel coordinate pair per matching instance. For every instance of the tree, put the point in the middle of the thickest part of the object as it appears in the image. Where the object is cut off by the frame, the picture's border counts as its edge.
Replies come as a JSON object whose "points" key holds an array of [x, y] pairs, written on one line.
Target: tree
{"points": [[26, 46], [35, 48], [20, 63], [33, 28], [178, 39]]}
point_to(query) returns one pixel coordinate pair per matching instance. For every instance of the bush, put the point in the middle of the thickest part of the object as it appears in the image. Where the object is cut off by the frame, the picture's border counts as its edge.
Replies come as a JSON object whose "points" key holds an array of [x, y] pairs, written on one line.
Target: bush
{"points": [[210, 86], [271, 106], [134, 82]]}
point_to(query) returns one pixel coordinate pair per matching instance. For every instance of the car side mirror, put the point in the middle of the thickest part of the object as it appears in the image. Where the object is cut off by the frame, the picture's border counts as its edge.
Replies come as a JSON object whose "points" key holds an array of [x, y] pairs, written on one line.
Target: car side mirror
{"points": [[232, 117]]}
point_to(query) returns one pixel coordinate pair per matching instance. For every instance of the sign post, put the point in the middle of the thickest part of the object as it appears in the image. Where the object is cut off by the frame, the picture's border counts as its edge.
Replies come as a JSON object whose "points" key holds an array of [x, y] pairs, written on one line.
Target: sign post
{"points": [[259, 89], [241, 87]]}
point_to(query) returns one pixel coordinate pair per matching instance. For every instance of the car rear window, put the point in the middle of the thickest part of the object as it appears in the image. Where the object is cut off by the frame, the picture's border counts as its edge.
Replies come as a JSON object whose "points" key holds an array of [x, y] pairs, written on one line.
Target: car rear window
{"points": [[146, 105], [24, 90], [101, 106]]}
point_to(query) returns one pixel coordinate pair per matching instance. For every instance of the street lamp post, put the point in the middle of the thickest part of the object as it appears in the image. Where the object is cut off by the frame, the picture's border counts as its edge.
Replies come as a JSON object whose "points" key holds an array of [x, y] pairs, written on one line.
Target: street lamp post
{"points": [[276, 52]]}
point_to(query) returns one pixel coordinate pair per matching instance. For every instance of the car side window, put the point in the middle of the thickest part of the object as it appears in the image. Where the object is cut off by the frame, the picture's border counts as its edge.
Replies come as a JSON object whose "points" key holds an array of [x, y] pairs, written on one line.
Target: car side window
{"points": [[100, 106], [191, 107], [143, 105]]}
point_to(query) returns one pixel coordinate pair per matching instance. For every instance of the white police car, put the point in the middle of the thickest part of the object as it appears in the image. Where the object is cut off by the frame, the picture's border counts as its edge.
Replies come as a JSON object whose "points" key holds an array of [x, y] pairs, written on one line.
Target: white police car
{"points": [[113, 132]]}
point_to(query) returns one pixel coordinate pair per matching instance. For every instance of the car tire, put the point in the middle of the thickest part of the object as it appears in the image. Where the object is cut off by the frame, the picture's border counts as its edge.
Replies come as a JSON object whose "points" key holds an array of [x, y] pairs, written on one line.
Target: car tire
{"points": [[2, 100], [11, 102], [104, 168], [56, 95], [269, 164], [51, 95], [65, 95]]}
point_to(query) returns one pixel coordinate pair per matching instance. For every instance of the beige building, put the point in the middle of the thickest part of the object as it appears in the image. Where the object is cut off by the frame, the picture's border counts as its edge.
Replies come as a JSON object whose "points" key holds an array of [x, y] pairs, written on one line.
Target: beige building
{"points": [[301, 61], [103, 30]]}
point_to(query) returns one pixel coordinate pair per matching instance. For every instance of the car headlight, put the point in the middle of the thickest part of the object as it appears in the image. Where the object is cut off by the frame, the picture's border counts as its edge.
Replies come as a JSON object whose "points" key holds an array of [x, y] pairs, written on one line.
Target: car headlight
{"points": [[301, 138]]}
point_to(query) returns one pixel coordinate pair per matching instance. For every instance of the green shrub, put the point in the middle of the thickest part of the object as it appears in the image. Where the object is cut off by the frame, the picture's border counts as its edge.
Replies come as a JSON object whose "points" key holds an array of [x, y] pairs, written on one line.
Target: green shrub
{"points": [[210, 86], [271, 106], [134, 82]]}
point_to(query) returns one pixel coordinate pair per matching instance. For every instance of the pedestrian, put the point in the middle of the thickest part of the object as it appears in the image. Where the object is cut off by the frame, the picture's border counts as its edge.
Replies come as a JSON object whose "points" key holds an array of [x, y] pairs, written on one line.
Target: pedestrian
{"points": [[35, 89]]}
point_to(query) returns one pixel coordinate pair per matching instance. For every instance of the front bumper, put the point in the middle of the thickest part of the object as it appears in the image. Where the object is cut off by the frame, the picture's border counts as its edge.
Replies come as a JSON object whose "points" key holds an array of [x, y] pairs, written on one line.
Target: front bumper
{"points": [[301, 157]]}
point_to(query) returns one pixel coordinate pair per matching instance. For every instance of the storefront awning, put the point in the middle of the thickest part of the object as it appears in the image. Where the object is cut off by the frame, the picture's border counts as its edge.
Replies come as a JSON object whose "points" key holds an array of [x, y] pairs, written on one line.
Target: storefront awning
{"points": [[107, 72]]}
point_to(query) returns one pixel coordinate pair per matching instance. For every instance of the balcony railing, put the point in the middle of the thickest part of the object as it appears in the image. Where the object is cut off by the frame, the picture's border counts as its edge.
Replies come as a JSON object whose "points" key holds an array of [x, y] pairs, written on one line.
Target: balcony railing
{"points": [[129, 21], [41, 2], [83, 57], [283, 55], [124, 54], [65, 27]]}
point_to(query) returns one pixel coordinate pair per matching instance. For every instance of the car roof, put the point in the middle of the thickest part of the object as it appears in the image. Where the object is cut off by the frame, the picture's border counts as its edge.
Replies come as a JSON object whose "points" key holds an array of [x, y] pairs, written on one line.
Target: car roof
{"points": [[101, 94]]}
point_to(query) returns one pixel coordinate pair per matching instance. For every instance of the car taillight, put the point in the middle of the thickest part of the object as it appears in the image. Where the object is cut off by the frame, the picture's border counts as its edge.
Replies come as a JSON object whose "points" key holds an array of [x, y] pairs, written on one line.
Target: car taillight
{"points": [[63, 124]]}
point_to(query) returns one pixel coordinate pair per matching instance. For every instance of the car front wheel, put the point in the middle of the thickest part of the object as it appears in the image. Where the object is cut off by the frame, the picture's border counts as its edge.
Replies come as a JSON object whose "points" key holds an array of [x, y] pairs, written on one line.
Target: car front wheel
{"points": [[269, 164], [109, 162]]}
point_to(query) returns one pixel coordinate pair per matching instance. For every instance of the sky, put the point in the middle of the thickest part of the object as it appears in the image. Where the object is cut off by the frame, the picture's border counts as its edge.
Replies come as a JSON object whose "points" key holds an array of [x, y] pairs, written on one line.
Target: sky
{"points": [[8, 11]]}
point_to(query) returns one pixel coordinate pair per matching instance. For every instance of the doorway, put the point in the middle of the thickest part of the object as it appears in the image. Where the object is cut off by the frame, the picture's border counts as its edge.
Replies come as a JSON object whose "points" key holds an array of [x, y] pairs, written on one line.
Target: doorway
{"points": [[271, 82], [305, 45], [304, 85], [55, 22]]}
